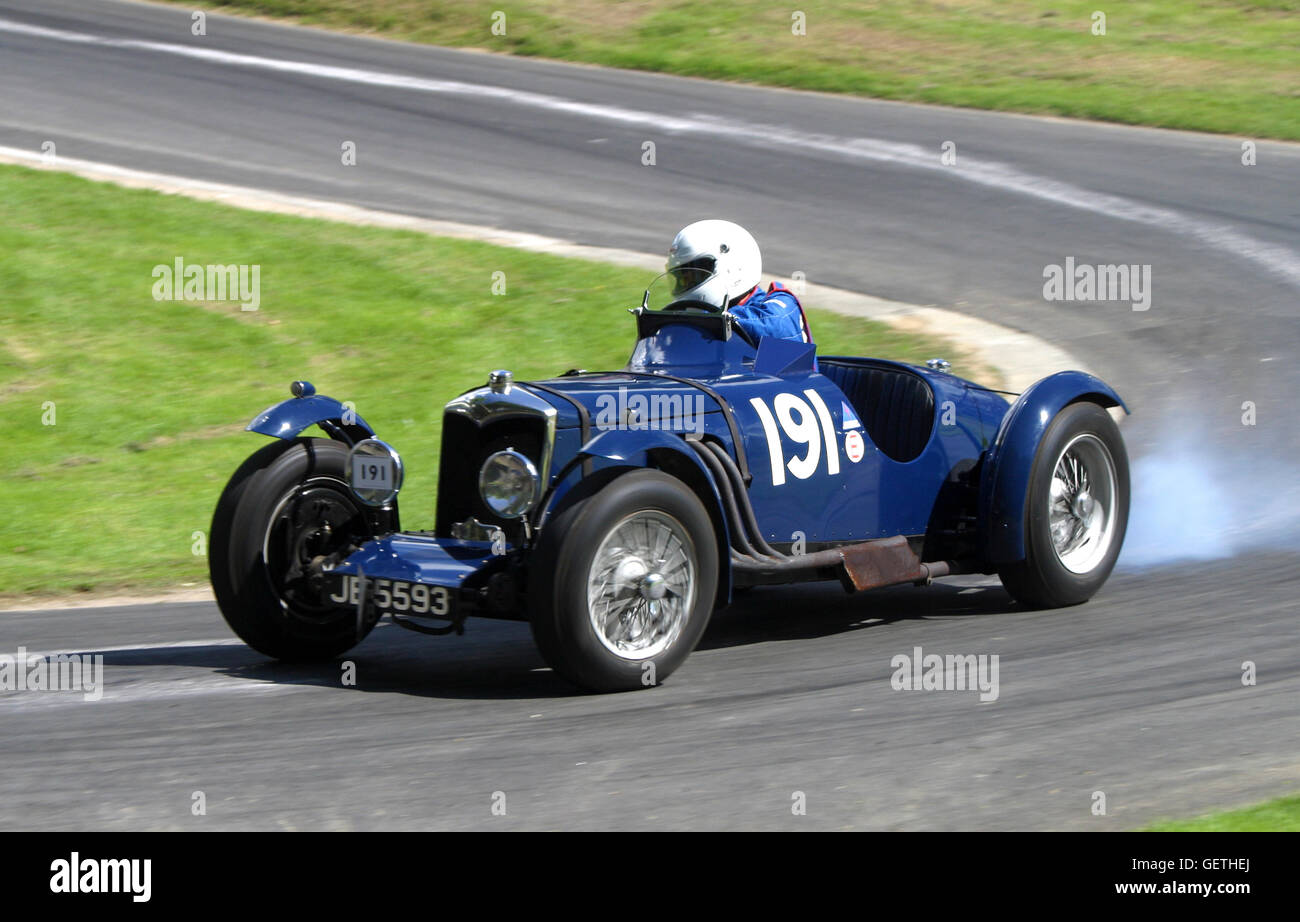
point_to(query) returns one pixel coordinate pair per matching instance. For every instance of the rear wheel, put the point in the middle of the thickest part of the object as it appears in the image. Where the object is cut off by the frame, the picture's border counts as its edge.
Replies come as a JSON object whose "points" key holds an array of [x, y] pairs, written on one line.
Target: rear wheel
{"points": [[623, 583], [1076, 510], [286, 509]]}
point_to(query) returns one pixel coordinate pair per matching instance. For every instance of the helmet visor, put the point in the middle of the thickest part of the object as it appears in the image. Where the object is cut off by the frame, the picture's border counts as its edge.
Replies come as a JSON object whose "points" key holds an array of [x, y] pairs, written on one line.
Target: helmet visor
{"points": [[686, 289], [692, 274]]}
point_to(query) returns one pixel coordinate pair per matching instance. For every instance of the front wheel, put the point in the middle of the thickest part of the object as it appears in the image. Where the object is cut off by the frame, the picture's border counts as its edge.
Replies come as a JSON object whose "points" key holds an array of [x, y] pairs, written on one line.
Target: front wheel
{"points": [[286, 509], [1076, 510], [623, 583]]}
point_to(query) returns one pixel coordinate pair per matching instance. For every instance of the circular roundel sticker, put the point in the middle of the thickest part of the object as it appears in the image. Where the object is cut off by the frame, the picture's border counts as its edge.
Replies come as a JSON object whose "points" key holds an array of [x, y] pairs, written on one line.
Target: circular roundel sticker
{"points": [[854, 446]]}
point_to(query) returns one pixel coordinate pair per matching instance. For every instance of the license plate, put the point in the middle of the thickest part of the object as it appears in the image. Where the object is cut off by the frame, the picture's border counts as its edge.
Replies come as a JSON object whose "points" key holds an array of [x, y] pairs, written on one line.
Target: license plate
{"points": [[396, 596]]}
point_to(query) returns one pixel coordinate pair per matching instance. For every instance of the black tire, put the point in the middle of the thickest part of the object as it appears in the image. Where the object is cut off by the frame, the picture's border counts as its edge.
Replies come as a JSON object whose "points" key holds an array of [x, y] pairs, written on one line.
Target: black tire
{"points": [[274, 500], [1042, 580], [558, 581]]}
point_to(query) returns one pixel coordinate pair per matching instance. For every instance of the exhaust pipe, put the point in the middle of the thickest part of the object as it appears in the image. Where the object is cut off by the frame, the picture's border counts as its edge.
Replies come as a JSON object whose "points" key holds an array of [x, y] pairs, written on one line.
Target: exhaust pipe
{"points": [[868, 565]]}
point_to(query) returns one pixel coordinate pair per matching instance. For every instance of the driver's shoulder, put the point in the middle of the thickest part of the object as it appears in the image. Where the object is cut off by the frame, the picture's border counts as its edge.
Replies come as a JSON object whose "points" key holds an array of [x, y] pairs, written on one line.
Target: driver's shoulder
{"points": [[776, 292]]}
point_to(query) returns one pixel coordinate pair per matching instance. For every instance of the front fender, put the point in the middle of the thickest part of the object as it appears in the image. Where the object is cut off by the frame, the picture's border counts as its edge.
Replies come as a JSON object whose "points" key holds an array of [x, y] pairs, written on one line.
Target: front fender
{"points": [[288, 418], [1010, 460], [667, 452], [633, 446]]}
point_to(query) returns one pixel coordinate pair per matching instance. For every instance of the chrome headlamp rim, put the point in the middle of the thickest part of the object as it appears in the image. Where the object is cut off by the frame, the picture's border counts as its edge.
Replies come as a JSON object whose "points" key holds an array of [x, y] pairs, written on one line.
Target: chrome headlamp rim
{"points": [[376, 448], [515, 505]]}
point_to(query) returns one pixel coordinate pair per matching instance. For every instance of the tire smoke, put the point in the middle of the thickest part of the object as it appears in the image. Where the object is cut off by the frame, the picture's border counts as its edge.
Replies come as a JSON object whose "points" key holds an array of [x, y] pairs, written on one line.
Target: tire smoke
{"points": [[1196, 498]]}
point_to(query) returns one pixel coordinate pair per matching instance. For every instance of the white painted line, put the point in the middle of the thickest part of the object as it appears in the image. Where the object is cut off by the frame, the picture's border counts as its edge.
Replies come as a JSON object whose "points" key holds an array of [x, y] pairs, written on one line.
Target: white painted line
{"points": [[118, 690], [131, 692], [184, 596], [86, 650], [1280, 260]]}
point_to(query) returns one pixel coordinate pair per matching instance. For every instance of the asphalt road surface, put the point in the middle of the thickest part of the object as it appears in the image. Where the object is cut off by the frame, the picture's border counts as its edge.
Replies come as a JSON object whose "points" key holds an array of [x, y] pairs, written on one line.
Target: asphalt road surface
{"points": [[1137, 694]]}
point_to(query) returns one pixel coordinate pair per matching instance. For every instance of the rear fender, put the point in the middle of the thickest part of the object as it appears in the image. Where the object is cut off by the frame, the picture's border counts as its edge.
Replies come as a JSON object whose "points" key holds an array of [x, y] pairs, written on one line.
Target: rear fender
{"points": [[1010, 460]]}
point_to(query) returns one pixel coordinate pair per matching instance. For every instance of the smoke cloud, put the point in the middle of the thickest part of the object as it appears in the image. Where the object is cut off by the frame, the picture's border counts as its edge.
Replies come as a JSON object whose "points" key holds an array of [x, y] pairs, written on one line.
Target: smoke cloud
{"points": [[1200, 497]]}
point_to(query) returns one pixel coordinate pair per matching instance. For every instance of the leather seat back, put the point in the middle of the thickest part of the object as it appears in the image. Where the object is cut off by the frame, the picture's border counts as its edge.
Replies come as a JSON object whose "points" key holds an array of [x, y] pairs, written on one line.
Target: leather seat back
{"points": [[895, 406]]}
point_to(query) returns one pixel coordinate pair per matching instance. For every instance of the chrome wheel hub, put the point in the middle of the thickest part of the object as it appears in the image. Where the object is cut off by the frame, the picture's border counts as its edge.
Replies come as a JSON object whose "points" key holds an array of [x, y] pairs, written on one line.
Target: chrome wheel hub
{"points": [[641, 586], [312, 522], [654, 587], [1081, 504]]}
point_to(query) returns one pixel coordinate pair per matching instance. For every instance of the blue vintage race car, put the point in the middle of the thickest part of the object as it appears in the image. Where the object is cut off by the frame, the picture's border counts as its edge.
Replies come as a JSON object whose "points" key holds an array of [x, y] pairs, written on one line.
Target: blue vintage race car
{"points": [[615, 511]]}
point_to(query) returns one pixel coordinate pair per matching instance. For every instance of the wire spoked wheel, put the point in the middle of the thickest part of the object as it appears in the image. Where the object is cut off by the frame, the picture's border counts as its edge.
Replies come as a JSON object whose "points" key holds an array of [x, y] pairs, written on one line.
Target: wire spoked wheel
{"points": [[641, 585], [1081, 503], [1076, 510], [623, 582]]}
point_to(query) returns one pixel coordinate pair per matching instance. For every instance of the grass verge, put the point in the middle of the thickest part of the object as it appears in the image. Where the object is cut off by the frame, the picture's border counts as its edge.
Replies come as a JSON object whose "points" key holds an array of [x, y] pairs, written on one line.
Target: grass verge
{"points": [[125, 413], [1228, 66], [1281, 815]]}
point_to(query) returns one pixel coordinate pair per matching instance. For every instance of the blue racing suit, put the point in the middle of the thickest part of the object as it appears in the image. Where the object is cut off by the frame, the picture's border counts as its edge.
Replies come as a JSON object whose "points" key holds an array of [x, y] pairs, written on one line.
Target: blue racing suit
{"points": [[775, 312]]}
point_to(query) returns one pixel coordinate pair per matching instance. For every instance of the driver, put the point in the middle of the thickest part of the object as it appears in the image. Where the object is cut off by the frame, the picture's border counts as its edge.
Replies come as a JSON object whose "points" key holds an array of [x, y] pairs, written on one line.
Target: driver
{"points": [[728, 251]]}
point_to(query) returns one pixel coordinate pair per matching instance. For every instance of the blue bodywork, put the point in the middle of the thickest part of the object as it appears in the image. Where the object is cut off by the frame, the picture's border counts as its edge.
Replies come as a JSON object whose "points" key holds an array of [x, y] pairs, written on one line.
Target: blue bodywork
{"points": [[421, 559], [832, 450]]}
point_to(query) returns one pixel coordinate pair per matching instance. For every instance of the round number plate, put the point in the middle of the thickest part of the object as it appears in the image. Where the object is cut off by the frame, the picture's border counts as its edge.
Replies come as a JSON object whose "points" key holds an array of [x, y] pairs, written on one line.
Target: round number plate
{"points": [[374, 472]]}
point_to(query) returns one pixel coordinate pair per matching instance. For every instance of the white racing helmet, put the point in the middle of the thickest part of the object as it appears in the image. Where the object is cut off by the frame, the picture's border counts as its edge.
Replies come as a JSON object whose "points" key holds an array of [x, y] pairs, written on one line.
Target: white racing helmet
{"points": [[722, 252]]}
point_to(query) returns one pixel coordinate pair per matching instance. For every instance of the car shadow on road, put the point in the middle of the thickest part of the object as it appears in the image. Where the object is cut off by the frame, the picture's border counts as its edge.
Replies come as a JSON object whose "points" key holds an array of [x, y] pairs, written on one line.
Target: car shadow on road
{"points": [[775, 613], [498, 660]]}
